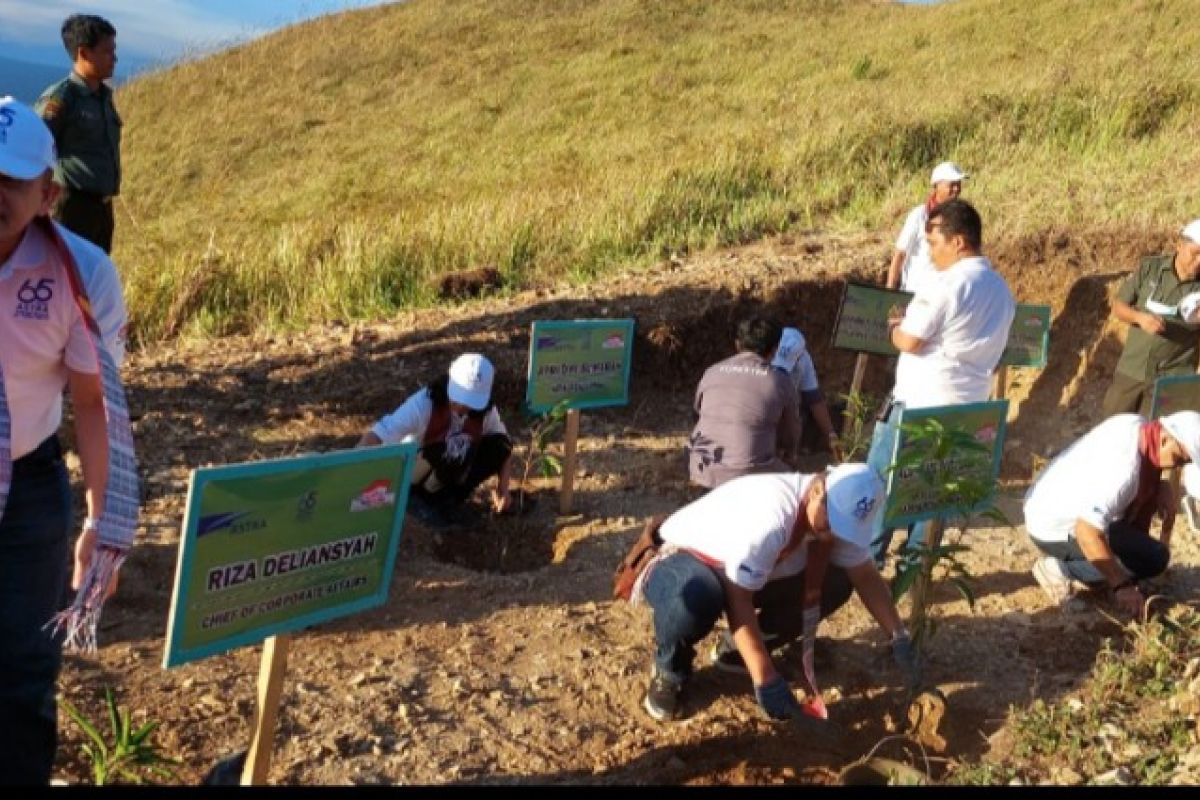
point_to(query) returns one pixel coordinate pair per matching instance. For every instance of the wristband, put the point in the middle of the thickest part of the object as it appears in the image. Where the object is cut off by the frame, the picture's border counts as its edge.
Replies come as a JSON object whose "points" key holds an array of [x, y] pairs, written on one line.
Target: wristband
{"points": [[91, 524]]}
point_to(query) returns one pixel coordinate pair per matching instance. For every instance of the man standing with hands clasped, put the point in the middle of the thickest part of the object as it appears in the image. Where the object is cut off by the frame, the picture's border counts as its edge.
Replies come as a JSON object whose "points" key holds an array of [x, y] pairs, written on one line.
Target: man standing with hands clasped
{"points": [[950, 337], [1161, 304]]}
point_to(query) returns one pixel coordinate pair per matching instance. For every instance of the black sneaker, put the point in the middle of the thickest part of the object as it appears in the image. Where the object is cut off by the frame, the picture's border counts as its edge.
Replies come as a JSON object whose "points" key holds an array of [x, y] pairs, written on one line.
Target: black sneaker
{"points": [[427, 512], [725, 657], [662, 697]]}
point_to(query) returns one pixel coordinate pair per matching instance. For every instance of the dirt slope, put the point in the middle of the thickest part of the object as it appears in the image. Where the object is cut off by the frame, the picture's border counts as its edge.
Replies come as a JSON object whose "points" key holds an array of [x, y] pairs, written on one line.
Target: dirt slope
{"points": [[499, 658]]}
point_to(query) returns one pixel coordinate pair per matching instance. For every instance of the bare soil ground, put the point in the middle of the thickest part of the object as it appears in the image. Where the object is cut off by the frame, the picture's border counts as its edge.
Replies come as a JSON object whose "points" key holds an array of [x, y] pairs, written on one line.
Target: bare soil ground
{"points": [[499, 657]]}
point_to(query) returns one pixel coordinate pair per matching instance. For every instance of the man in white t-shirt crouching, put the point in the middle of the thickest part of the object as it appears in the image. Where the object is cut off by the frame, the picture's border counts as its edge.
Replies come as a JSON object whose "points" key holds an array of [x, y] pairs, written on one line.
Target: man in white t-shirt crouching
{"points": [[950, 336], [757, 548], [1090, 510]]}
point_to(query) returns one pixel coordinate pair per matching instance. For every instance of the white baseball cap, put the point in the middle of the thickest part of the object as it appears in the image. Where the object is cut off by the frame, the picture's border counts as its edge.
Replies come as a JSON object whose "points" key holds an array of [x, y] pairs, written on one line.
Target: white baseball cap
{"points": [[1189, 308], [471, 381], [1191, 231], [26, 144], [947, 171], [855, 495], [789, 350], [1184, 426]]}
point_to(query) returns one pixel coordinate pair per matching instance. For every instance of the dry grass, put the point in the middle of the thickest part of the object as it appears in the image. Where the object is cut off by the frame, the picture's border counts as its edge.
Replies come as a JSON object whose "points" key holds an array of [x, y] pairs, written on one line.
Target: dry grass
{"points": [[335, 168]]}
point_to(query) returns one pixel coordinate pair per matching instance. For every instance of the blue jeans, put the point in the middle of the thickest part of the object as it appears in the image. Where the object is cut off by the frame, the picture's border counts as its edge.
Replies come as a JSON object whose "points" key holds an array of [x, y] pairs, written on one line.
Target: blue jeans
{"points": [[687, 599], [879, 457], [34, 557], [1138, 552]]}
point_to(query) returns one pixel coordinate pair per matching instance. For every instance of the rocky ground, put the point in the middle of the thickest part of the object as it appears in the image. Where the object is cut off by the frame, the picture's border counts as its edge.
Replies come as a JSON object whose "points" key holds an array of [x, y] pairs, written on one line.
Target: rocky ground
{"points": [[499, 657]]}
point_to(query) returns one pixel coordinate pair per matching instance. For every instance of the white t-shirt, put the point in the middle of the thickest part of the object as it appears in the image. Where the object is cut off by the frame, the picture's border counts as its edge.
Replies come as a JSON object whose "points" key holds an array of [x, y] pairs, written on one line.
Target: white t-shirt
{"points": [[42, 335], [963, 315], [917, 264], [409, 421], [1095, 480], [744, 526]]}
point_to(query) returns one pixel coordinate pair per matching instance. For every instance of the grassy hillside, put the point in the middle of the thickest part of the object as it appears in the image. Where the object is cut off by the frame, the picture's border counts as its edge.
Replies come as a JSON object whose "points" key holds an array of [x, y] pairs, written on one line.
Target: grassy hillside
{"points": [[329, 170]]}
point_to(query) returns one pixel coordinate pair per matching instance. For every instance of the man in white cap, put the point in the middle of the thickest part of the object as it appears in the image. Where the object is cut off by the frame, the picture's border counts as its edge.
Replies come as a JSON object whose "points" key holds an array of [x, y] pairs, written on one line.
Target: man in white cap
{"points": [[1162, 339], [757, 549], [46, 347], [910, 264], [463, 440], [1090, 510], [793, 359]]}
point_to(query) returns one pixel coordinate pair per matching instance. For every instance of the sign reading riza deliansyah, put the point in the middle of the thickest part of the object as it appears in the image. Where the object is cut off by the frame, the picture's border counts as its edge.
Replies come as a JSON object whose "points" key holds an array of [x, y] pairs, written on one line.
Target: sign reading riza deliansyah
{"points": [[275, 546]]}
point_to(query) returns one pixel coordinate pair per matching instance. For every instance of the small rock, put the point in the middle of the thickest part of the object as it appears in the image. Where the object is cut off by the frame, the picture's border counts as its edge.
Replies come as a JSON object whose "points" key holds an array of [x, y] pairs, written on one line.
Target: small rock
{"points": [[359, 679], [1121, 776]]}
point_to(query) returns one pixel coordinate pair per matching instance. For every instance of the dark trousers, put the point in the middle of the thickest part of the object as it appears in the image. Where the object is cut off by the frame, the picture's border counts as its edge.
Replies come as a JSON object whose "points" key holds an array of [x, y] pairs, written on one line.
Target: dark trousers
{"points": [[1127, 395], [1141, 554], [687, 600], [34, 557], [459, 478], [88, 215]]}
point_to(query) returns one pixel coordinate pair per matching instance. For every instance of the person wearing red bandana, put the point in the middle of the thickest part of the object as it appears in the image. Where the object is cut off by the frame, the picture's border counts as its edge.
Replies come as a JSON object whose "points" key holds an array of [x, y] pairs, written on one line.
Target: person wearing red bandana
{"points": [[911, 264], [1090, 510]]}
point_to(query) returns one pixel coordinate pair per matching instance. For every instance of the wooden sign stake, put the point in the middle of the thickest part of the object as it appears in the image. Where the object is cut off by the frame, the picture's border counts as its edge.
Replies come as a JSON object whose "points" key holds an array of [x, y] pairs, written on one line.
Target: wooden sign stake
{"points": [[270, 687], [570, 440], [860, 371], [1000, 383]]}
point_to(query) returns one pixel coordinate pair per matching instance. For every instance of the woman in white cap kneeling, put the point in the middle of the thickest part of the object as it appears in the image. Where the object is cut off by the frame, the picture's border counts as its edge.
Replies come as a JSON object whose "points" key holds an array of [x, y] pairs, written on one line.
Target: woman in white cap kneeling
{"points": [[463, 440]]}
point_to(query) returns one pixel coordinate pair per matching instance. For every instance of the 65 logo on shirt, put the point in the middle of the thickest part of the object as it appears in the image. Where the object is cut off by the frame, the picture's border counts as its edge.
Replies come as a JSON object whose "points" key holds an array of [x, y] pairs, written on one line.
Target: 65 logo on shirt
{"points": [[33, 299]]}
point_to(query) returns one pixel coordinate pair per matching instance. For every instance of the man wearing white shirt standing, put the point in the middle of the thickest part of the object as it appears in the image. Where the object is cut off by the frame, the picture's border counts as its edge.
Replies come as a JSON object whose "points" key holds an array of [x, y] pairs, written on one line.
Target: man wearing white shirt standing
{"points": [[1090, 510], [950, 337], [910, 264]]}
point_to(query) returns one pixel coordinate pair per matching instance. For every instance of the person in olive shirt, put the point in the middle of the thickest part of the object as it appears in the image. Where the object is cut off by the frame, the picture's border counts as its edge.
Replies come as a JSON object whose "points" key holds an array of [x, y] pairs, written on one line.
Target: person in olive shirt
{"points": [[1161, 340], [87, 130]]}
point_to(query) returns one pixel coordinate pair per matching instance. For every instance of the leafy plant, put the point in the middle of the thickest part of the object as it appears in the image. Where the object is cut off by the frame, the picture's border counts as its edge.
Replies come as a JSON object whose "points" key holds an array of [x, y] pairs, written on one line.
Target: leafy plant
{"points": [[129, 755], [538, 459], [948, 461], [856, 428]]}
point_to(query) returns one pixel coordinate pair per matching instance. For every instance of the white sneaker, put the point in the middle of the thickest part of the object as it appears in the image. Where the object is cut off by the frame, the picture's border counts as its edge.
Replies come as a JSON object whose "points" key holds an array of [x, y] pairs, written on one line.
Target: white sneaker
{"points": [[1052, 576]]}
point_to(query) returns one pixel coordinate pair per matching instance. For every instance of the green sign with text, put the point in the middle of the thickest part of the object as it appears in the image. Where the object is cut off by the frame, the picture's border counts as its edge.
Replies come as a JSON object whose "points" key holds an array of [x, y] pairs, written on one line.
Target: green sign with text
{"points": [[1028, 338], [911, 494], [1175, 393], [862, 320], [585, 362], [276, 546]]}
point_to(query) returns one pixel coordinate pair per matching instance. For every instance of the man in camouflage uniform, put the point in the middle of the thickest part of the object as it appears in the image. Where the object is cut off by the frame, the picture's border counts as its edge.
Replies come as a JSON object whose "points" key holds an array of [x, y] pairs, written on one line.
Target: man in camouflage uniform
{"points": [[87, 131]]}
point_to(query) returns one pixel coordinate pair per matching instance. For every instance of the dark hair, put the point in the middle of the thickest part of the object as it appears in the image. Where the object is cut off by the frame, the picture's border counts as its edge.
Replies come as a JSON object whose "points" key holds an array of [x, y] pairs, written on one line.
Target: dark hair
{"points": [[958, 218], [84, 30], [439, 393], [758, 335]]}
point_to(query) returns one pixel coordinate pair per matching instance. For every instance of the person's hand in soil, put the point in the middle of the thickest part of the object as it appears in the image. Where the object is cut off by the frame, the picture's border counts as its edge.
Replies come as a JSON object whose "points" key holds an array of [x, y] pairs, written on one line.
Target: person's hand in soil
{"points": [[906, 659], [1129, 599]]}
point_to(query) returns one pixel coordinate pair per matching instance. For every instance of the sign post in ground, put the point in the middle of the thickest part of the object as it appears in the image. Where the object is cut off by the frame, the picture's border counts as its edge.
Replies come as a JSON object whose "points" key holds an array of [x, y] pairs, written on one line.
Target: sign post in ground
{"points": [[582, 364], [271, 547]]}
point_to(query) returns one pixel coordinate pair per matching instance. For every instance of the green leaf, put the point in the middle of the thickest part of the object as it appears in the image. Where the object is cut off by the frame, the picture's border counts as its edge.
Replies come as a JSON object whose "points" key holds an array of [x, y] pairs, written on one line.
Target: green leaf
{"points": [[904, 581], [964, 588]]}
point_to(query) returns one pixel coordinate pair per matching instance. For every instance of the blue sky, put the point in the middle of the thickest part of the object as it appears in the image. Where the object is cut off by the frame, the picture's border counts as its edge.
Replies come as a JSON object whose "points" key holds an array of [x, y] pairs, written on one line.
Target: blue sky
{"points": [[153, 31]]}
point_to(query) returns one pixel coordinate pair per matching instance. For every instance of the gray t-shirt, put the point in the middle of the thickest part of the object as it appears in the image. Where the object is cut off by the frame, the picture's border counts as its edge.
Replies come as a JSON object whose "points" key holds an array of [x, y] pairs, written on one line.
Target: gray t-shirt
{"points": [[748, 411]]}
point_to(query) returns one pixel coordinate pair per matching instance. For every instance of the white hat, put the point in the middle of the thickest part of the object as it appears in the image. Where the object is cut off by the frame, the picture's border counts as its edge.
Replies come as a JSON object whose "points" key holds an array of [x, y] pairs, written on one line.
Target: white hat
{"points": [[471, 381], [1192, 231], [26, 144], [789, 350], [947, 171], [1189, 308], [1184, 426], [855, 495]]}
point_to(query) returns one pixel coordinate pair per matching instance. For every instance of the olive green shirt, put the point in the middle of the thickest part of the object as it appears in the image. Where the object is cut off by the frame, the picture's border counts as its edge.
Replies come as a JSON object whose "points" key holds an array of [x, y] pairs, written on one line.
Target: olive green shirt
{"points": [[1155, 287], [87, 134]]}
